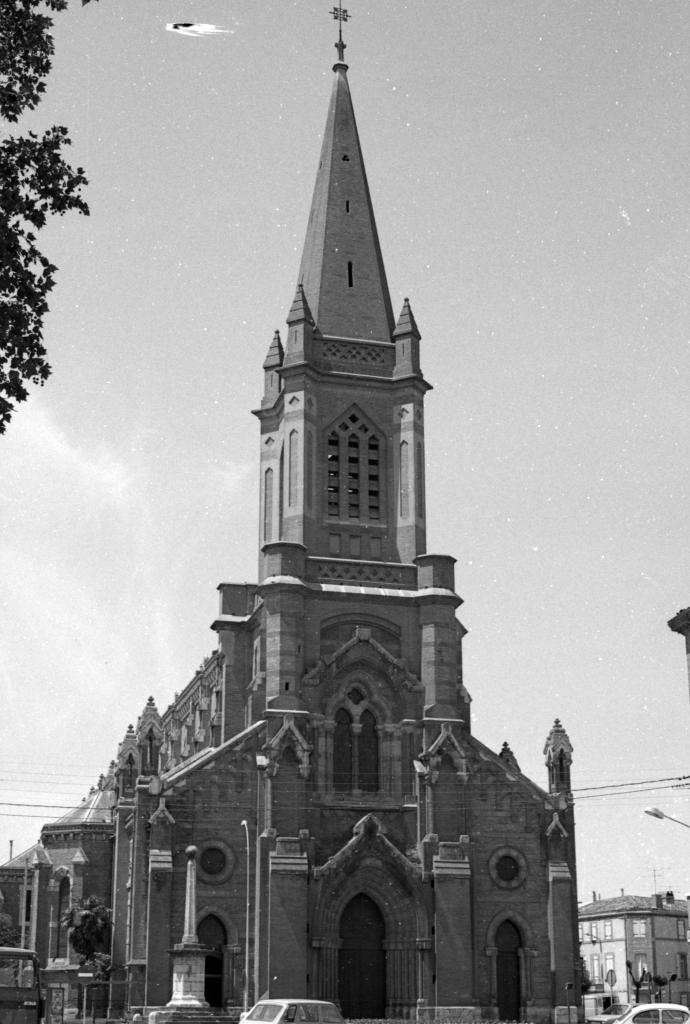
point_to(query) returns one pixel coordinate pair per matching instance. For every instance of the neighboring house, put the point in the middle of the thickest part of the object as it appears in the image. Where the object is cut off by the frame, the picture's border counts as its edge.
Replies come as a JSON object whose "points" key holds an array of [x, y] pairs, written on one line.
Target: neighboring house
{"points": [[395, 862], [649, 932], [74, 860]]}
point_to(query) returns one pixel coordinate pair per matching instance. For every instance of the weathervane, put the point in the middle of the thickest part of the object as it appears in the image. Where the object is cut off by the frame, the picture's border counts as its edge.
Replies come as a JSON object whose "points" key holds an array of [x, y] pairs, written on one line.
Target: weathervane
{"points": [[340, 14]]}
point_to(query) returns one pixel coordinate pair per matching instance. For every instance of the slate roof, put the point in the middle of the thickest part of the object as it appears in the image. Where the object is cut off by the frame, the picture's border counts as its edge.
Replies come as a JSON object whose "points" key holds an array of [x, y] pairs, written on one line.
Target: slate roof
{"points": [[342, 230], [95, 809], [616, 906], [18, 861]]}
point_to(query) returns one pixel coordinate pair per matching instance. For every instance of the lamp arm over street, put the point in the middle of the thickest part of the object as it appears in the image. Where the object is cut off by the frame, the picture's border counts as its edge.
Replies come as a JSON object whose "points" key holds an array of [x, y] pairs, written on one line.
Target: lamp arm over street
{"points": [[655, 812]]}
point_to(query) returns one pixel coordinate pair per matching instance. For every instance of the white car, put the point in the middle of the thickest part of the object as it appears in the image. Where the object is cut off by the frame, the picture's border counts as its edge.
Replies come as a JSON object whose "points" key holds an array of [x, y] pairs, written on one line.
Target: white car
{"points": [[297, 1011], [614, 1011], [656, 1013]]}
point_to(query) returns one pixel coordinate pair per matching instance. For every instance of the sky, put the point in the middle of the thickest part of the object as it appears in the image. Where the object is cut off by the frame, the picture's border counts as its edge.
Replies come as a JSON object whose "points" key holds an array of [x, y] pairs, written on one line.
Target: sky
{"points": [[528, 163]]}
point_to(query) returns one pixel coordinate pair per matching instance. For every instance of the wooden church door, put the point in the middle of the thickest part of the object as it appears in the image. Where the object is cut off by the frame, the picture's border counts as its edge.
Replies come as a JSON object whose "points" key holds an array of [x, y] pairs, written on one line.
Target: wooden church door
{"points": [[362, 960], [508, 971]]}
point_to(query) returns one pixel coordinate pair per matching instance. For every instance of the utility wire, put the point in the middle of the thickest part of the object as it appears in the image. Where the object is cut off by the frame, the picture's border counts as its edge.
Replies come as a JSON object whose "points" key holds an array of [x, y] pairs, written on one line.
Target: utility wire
{"points": [[636, 782], [52, 807]]}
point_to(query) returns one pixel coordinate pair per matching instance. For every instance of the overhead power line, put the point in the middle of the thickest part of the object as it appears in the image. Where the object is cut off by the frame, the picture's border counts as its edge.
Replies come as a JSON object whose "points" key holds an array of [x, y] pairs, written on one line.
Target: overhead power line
{"points": [[51, 807], [636, 782]]}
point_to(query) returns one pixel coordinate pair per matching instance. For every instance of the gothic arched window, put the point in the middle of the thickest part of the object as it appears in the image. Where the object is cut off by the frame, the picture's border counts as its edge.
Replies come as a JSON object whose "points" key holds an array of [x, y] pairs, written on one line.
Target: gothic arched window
{"points": [[368, 754], [342, 752], [355, 747], [62, 908], [129, 772], [151, 751], [353, 471], [268, 505]]}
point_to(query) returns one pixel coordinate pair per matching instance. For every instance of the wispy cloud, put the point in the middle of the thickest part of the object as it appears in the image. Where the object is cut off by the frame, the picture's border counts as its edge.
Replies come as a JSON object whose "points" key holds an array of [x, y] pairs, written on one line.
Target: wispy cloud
{"points": [[38, 438]]}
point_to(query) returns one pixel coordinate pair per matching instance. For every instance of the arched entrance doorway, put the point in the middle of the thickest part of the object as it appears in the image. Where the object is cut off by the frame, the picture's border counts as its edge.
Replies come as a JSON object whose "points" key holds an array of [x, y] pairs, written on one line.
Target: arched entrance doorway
{"points": [[508, 943], [211, 932], [362, 960]]}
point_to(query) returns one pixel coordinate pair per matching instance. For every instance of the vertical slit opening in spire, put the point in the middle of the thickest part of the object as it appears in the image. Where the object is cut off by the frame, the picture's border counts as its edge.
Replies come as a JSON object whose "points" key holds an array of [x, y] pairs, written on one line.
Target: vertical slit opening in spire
{"points": [[350, 276]]}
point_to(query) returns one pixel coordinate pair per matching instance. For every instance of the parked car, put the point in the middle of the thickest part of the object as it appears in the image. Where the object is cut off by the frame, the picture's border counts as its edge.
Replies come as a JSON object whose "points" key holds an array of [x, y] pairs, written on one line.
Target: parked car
{"points": [[656, 1013], [298, 1011], [614, 1011]]}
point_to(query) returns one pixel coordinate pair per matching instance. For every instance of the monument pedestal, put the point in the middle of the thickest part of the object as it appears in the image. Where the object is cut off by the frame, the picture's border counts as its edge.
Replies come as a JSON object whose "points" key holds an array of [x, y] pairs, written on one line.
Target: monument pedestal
{"points": [[188, 975], [188, 1005]]}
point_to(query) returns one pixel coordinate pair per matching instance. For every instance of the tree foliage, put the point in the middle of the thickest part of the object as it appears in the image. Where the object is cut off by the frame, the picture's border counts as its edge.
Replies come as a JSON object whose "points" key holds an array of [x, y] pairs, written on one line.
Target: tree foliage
{"points": [[9, 934], [35, 182], [89, 934]]}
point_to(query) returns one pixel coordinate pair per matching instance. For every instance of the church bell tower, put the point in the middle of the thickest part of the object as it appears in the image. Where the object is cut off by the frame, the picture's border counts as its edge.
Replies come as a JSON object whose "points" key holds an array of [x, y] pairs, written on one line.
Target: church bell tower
{"points": [[357, 844], [342, 415]]}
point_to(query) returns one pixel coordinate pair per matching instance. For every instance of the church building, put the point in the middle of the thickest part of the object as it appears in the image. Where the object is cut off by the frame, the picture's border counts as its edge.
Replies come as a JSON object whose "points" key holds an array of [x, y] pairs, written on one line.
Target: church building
{"points": [[356, 842]]}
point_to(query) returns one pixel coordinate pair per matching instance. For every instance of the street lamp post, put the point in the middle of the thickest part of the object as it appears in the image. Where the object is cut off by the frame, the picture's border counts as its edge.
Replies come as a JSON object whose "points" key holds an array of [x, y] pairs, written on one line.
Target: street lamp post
{"points": [[245, 1000], [654, 812]]}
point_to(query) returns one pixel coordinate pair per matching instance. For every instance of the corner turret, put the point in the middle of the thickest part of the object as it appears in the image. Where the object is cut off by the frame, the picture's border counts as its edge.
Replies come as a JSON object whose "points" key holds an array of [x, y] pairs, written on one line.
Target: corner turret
{"points": [[559, 757]]}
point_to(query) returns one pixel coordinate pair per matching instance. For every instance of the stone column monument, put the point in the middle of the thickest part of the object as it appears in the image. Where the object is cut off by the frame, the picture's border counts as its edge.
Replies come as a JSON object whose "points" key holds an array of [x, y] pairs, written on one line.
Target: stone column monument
{"points": [[188, 959]]}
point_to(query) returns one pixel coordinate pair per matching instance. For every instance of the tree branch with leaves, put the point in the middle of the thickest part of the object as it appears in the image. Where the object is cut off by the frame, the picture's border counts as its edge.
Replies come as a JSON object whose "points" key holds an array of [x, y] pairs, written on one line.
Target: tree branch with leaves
{"points": [[88, 923], [35, 182]]}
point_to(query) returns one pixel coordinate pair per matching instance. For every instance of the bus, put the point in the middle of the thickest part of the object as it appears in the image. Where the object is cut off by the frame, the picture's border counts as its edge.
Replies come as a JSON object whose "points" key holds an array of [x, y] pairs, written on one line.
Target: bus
{"points": [[21, 1001]]}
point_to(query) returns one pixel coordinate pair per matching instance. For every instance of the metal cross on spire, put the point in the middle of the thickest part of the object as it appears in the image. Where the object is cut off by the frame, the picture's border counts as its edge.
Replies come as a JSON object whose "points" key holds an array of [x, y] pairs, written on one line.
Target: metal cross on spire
{"points": [[340, 14]]}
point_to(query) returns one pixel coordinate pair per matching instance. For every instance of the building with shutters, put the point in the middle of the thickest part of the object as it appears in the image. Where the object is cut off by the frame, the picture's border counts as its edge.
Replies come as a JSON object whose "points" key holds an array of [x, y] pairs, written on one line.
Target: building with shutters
{"points": [[629, 941]]}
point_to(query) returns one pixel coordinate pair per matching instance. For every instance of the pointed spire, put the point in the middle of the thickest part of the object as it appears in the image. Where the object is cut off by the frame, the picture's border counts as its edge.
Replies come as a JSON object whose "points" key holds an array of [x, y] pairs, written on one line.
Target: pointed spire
{"points": [[406, 322], [406, 336], [272, 363], [274, 356], [299, 345], [342, 270], [299, 310]]}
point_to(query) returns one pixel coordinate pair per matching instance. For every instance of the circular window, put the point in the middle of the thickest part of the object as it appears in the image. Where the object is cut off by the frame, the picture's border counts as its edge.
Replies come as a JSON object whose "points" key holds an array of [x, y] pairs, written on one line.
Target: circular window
{"points": [[215, 862], [507, 867], [212, 860]]}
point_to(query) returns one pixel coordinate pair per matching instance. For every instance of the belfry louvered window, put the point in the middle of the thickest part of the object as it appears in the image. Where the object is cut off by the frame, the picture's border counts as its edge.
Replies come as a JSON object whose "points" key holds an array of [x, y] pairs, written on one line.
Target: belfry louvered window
{"points": [[353, 483]]}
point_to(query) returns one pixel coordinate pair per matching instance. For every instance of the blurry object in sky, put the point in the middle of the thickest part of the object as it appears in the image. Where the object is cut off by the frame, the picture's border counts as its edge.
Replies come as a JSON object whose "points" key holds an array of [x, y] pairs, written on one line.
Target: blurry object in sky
{"points": [[190, 28]]}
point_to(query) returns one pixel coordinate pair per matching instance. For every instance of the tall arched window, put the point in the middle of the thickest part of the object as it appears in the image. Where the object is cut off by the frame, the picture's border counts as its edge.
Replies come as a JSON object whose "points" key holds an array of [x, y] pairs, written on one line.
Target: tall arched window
{"points": [[151, 751], [62, 908], [404, 479], [268, 506], [368, 754], [353, 476], [355, 747], [353, 471], [129, 772], [293, 467], [333, 481], [309, 468], [281, 491], [373, 478], [342, 752], [419, 478]]}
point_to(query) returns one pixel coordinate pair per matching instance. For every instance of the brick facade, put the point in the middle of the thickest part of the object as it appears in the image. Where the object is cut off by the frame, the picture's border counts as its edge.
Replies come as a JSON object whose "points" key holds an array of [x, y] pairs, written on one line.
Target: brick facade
{"points": [[394, 860]]}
